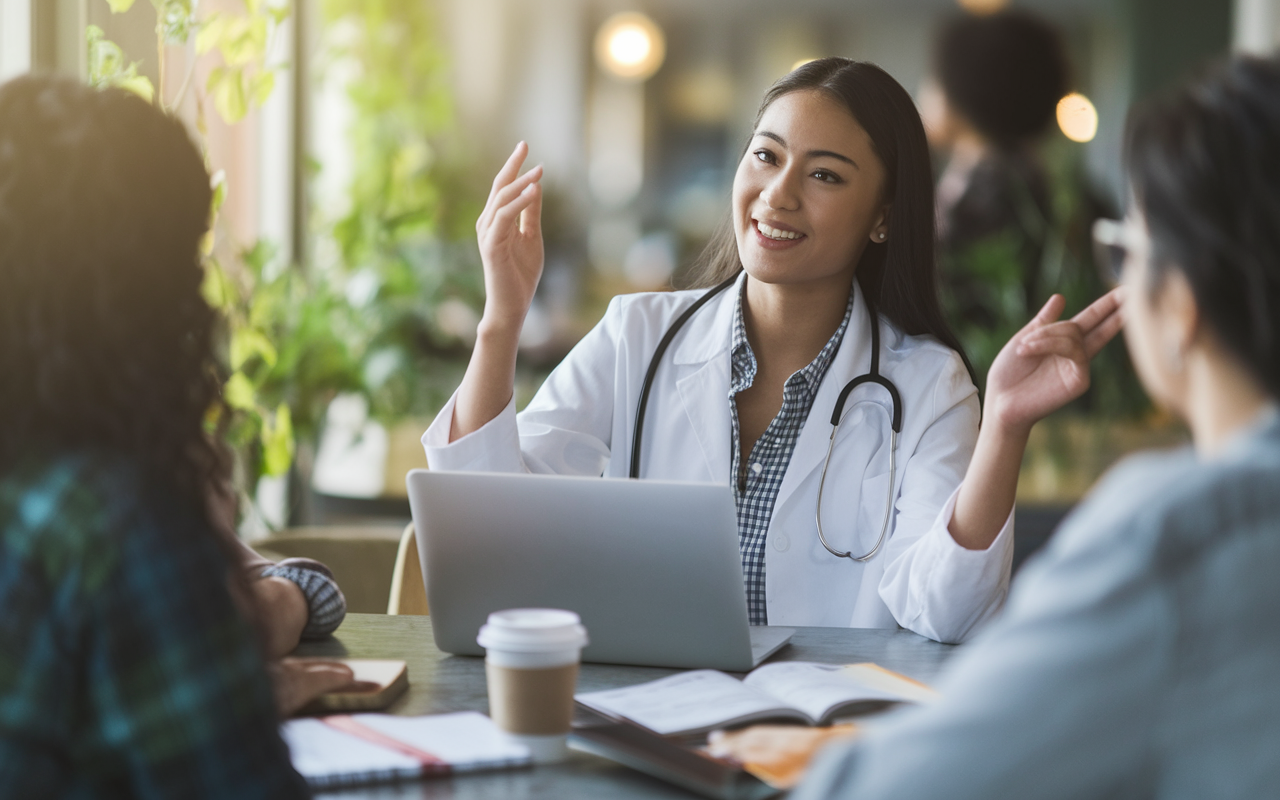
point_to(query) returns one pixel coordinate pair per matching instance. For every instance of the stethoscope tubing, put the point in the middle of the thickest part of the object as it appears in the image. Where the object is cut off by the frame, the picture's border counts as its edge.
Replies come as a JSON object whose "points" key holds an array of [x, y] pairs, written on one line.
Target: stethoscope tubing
{"points": [[872, 376]]}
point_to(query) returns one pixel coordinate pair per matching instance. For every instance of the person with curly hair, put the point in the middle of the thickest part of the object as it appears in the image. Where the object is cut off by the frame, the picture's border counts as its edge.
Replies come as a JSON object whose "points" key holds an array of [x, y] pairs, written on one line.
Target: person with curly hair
{"points": [[136, 629], [996, 82]]}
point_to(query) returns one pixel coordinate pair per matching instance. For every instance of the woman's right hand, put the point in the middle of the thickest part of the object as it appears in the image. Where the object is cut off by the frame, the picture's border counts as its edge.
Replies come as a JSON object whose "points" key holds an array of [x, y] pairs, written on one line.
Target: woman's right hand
{"points": [[509, 231]]}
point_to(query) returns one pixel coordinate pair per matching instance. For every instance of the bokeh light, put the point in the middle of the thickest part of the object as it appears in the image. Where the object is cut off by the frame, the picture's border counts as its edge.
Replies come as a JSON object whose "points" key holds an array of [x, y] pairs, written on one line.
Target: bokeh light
{"points": [[630, 46], [983, 7], [1077, 117]]}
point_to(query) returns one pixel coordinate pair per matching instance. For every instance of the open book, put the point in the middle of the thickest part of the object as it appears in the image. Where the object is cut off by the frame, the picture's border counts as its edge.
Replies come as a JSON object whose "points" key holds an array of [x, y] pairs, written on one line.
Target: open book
{"points": [[703, 700], [343, 750]]}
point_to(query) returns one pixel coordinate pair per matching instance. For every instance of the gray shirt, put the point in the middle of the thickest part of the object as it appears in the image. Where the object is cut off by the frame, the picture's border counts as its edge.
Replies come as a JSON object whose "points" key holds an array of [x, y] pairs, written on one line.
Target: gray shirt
{"points": [[1139, 655]]}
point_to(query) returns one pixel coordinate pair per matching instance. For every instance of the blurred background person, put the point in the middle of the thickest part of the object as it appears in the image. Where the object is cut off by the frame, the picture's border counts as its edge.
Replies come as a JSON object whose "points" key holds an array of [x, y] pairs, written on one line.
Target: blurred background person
{"points": [[128, 665], [996, 83], [1136, 657]]}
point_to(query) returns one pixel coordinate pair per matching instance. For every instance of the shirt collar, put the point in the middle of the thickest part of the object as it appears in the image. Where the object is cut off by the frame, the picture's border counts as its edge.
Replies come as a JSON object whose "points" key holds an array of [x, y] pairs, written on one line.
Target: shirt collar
{"points": [[743, 360]]}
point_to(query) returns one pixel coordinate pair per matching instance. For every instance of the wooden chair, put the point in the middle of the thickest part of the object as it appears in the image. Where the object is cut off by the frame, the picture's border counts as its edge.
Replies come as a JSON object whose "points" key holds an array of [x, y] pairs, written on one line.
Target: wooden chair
{"points": [[359, 555], [408, 588]]}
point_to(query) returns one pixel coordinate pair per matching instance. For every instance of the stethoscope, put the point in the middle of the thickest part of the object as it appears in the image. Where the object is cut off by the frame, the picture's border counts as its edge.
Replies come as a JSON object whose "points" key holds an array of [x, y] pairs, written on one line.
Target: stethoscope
{"points": [[872, 376]]}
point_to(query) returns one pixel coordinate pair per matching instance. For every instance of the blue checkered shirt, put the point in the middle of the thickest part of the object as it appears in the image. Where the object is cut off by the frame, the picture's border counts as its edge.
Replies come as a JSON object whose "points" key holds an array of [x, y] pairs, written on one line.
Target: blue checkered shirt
{"points": [[756, 484]]}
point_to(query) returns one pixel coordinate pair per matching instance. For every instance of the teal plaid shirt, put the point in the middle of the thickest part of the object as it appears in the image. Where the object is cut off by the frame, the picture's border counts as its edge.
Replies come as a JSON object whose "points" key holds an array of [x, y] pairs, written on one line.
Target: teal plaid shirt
{"points": [[125, 668]]}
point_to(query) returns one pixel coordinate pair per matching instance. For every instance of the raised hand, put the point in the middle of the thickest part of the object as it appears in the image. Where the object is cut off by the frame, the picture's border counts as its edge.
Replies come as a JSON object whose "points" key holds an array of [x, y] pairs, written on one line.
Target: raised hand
{"points": [[509, 231], [1046, 364], [510, 234], [1042, 368]]}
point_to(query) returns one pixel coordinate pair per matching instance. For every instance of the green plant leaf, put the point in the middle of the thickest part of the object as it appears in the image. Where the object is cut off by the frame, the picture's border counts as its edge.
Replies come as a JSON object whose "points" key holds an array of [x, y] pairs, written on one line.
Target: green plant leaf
{"points": [[227, 86], [120, 6], [211, 31], [139, 85], [247, 343], [215, 288], [261, 86], [277, 442], [239, 392]]}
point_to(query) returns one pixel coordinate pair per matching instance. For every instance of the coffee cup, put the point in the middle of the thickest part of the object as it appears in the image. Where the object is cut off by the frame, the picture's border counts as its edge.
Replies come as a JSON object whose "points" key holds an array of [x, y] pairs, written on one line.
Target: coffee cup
{"points": [[531, 664]]}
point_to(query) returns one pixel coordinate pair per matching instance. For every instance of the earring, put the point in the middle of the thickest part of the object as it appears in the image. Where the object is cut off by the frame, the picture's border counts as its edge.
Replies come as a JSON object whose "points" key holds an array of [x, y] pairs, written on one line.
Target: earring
{"points": [[881, 235]]}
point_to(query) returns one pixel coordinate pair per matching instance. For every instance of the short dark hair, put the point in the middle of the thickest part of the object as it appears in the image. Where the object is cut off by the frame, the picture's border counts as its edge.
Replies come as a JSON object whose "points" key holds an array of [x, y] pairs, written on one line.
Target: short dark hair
{"points": [[106, 343], [1204, 166], [1005, 72]]}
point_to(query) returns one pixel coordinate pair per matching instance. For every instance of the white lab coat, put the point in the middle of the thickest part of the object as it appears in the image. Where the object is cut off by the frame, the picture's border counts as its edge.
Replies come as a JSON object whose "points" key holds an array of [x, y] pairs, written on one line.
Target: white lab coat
{"points": [[581, 420]]}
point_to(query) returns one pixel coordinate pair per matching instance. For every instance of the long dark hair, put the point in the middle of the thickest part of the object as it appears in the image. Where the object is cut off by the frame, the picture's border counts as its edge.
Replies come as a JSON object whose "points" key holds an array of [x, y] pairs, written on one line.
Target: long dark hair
{"points": [[106, 344], [898, 277], [1204, 167]]}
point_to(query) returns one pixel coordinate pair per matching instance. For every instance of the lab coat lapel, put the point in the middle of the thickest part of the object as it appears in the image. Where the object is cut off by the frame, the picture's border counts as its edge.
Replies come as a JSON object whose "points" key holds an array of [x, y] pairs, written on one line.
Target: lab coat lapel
{"points": [[853, 359], [705, 397], [704, 392]]}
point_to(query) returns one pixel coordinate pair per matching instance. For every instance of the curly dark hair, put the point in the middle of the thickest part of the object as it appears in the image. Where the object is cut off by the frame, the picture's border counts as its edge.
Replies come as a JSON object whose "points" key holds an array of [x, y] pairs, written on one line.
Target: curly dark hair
{"points": [[106, 343], [1004, 72]]}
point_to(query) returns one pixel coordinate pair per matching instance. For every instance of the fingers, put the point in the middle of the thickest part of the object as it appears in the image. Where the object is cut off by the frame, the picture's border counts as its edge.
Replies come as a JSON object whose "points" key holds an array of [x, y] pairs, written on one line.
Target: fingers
{"points": [[1065, 346], [515, 192], [1100, 310], [516, 188], [1050, 311], [507, 216], [531, 216], [299, 681], [1102, 333], [505, 175]]}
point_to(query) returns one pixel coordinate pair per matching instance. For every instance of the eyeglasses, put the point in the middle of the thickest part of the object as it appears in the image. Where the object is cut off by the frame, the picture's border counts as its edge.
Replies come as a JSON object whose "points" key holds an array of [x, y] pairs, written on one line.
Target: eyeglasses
{"points": [[1112, 243]]}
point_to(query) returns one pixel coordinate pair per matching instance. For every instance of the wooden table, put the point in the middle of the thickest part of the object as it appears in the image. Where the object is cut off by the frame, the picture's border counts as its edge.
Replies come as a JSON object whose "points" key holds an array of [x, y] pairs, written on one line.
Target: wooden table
{"points": [[439, 682]]}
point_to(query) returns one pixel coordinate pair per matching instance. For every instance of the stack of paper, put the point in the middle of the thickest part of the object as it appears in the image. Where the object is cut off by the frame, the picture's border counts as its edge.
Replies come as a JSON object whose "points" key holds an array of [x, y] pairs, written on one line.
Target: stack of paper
{"points": [[369, 748]]}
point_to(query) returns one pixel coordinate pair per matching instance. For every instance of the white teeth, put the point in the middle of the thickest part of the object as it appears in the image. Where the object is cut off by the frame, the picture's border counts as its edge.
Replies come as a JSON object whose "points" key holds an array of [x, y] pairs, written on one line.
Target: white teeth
{"points": [[774, 233]]}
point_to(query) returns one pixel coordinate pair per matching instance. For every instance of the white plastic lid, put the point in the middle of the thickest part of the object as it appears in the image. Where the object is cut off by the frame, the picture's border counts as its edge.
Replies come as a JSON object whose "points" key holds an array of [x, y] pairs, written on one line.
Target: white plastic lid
{"points": [[533, 630]]}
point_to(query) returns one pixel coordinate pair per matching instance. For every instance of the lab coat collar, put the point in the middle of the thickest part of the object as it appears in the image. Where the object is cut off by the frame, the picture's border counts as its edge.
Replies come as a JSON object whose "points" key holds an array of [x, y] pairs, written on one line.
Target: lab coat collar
{"points": [[709, 335]]}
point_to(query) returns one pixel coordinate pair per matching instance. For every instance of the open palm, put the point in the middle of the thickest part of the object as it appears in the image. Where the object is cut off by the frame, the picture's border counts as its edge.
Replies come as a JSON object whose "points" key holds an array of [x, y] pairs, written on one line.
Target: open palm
{"points": [[1046, 364], [509, 232]]}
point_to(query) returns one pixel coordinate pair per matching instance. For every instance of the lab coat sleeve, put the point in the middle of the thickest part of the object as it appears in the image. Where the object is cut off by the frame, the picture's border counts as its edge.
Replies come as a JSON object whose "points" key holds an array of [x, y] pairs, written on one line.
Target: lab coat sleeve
{"points": [[566, 429], [1056, 699], [931, 584]]}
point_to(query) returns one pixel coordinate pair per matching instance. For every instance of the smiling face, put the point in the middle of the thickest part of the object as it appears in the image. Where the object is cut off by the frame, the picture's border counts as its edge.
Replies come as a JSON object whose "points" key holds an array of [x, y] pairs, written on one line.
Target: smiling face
{"points": [[808, 194]]}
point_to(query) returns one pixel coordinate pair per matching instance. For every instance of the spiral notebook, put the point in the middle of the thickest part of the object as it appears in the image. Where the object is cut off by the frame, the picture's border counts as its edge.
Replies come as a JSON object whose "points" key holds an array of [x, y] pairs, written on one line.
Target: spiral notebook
{"points": [[346, 750]]}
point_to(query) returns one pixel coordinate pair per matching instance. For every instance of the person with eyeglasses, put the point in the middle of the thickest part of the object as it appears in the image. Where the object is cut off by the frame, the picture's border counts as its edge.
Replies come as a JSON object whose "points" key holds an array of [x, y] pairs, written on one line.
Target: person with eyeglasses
{"points": [[1137, 655]]}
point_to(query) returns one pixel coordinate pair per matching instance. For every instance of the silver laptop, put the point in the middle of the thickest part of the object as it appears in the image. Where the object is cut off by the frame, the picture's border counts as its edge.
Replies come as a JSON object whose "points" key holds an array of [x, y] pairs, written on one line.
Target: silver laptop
{"points": [[652, 567]]}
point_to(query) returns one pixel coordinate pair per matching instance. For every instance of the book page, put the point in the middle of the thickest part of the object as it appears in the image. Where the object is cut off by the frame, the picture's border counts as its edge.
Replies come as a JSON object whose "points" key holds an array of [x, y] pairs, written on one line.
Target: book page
{"points": [[466, 740], [816, 689], [686, 703]]}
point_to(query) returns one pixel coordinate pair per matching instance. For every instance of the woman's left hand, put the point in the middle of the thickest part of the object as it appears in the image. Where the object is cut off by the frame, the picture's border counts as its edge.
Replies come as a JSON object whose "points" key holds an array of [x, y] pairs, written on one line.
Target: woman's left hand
{"points": [[1046, 364]]}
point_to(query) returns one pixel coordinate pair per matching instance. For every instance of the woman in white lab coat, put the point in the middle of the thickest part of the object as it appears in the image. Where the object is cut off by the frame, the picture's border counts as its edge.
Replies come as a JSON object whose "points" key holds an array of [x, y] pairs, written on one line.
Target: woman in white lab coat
{"points": [[834, 185]]}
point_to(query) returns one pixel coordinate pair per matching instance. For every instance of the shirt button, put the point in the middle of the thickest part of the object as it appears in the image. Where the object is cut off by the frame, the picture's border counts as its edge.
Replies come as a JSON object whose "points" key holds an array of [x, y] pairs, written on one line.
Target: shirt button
{"points": [[757, 468], [781, 542]]}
